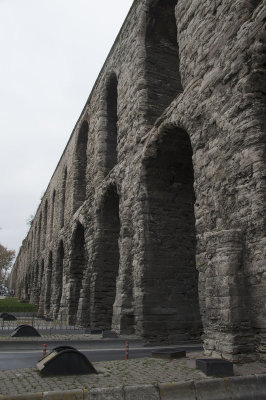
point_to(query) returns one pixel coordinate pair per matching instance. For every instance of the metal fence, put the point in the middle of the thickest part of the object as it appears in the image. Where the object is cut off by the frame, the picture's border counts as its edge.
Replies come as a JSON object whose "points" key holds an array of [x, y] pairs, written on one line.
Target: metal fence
{"points": [[39, 323]]}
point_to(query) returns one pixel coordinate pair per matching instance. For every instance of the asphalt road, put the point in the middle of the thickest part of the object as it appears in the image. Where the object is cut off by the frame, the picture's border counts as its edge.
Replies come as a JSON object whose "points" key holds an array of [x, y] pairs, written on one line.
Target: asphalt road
{"points": [[28, 358]]}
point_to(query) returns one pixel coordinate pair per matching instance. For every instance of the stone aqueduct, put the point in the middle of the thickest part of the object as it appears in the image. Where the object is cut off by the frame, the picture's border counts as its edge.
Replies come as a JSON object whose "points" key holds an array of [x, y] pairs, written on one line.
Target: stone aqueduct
{"points": [[153, 222]]}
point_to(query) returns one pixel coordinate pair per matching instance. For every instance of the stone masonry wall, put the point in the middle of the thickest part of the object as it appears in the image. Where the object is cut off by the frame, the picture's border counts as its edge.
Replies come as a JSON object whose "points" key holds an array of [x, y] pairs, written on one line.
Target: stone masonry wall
{"points": [[154, 220]]}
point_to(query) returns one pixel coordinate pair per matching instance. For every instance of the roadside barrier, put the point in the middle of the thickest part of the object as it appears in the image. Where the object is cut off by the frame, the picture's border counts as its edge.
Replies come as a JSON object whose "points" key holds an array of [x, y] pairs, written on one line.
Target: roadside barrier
{"points": [[237, 387], [44, 350], [127, 350]]}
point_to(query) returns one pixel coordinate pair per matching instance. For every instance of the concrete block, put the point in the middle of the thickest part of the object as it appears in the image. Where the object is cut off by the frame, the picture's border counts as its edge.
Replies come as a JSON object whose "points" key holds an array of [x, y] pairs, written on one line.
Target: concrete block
{"points": [[252, 387], [64, 395], [141, 392], [109, 334], [248, 387], [94, 331], [215, 367], [27, 396], [181, 390], [261, 380], [115, 393], [169, 354], [213, 389]]}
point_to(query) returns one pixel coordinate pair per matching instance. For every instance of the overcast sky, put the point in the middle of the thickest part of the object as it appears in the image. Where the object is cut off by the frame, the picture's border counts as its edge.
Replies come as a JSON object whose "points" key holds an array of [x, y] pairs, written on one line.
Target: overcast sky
{"points": [[51, 54]]}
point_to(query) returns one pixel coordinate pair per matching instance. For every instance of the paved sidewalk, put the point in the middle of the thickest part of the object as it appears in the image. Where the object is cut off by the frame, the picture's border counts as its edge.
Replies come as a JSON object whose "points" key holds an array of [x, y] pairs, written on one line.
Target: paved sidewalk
{"points": [[115, 373]]}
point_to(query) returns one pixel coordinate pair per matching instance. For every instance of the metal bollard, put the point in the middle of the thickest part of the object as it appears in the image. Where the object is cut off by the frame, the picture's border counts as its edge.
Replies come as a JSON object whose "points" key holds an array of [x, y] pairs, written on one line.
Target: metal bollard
{"points": [[127, 349], [44, 350]]}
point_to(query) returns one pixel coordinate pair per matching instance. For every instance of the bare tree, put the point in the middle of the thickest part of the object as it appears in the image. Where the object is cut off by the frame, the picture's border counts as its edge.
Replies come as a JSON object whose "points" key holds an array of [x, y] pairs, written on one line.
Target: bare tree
{"points": [[6, 258]]}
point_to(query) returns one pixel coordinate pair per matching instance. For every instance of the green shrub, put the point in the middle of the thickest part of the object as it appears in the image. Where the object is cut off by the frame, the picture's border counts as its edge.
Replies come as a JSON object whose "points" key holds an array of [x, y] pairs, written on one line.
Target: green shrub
{"points": [[12, 304]]}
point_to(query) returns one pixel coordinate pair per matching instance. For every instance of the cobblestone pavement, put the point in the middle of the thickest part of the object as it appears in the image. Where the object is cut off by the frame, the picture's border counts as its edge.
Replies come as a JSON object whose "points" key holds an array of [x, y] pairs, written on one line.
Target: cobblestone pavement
{"points": [[114, 373]]}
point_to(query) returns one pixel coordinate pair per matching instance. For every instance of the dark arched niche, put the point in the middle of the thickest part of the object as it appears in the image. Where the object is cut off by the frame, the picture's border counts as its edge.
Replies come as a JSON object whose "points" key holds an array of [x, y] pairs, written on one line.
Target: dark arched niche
{"points": [[171, 309], [63, 199], [112, 118], [52, 213], [107, 260], [78, 261], [80, 166], [58, 279], [162, 63], [45, 218], [254, 3], [48, 283], [39, 241]]}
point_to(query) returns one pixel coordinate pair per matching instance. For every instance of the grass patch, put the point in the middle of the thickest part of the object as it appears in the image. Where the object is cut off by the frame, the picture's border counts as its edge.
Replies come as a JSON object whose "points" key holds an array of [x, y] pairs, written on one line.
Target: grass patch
{"points": [[12, 304]]}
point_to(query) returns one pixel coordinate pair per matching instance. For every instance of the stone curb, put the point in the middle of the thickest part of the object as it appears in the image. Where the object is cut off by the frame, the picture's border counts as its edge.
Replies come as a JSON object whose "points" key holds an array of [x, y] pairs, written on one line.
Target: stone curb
{"points": [[250, 387]]}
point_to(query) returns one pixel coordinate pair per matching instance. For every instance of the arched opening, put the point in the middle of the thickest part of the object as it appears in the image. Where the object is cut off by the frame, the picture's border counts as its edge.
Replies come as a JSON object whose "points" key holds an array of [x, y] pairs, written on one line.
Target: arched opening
{"points": [[63, 200], [31, 283], [112, 118], [35, 243], [48, 279], [171, 307], [107, 260], [58, 279], [41, 288], [36, 291], [162, 63], [52, 213], [80, 163], [26, 287], [45, 215], [41, 272], [78, 263], [254, 4], [39, 235]]}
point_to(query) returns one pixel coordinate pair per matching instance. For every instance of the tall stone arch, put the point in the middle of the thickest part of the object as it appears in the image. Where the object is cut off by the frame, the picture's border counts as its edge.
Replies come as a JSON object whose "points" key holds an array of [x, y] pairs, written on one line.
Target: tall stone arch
{"points": [[52, 212], [45, 220], [78, 263], [170, 282], [162, 58], [58, 280], [36, 288], [112, 119], [80, 167], [39, 238], [106, 263], [48, 285], [63, 198], [41, 287]]}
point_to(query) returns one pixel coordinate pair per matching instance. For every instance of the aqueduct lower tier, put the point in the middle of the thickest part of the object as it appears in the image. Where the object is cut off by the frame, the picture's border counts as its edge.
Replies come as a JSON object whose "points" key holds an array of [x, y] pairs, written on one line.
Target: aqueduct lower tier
{"points": [[153, 222]]}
